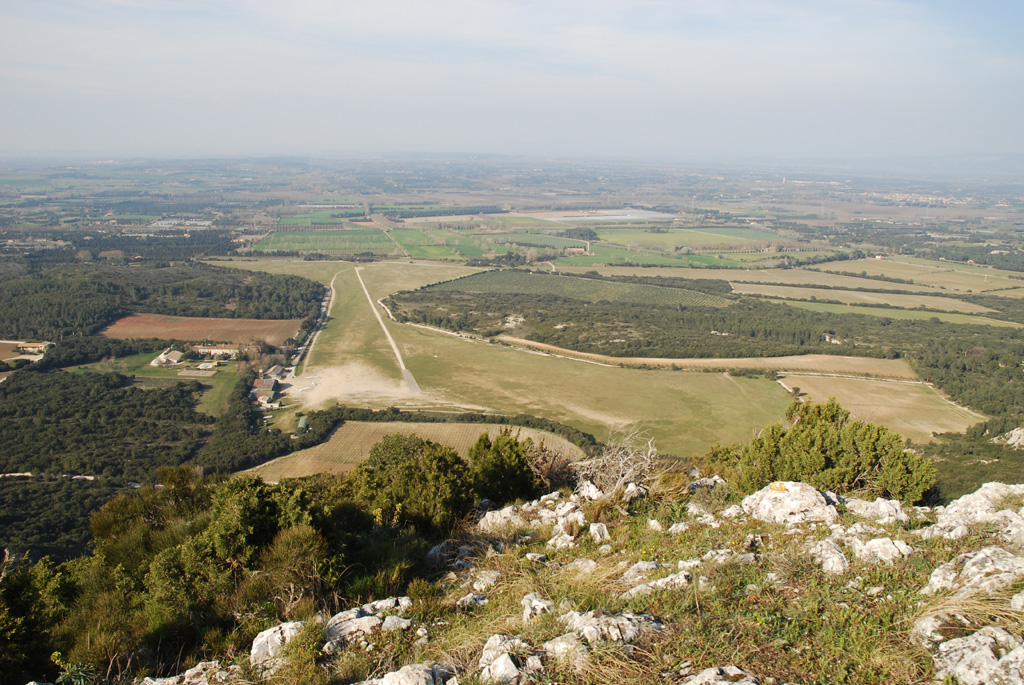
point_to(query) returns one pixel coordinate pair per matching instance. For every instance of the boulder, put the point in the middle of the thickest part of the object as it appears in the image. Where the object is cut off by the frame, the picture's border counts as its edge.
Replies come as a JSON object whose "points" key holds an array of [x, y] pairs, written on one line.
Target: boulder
{"points": [[598, 625], [494, 521], [880, 550], [735, 511], [987, 570], [655, 525], [988, 506], [417, 674], [789, 503], [991, 656], [829, 556], [501, 670], [882, 511], [633, 492], [639, 571], [677, 528], [269, 644], [599, 532], [395, 623]]}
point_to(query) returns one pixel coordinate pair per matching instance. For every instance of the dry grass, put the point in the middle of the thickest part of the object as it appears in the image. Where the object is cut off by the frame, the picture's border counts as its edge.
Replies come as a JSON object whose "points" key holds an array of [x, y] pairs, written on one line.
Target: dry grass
{"points": [[819, 363], [350, 445]]}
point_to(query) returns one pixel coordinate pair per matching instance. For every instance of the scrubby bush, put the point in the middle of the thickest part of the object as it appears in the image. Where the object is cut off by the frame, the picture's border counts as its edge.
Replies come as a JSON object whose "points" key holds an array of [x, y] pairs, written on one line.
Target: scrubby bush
{"points": [[407, 478], [820, 445], [501, 469]]}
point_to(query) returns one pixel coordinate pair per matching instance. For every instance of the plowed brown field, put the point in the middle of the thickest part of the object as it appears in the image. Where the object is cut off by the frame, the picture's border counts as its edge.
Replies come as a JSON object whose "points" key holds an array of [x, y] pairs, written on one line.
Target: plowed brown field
{"points": [[274, 331]]}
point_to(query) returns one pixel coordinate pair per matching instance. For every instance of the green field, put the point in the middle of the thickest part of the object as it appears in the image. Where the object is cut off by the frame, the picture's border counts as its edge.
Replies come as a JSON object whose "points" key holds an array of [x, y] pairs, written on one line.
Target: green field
{"points": [[420, 245], [335, 243], [602, 254], [463, 245], [217, 390], [534, 283], [318, 216], [892, 313], [537, 240], [679, 237]]}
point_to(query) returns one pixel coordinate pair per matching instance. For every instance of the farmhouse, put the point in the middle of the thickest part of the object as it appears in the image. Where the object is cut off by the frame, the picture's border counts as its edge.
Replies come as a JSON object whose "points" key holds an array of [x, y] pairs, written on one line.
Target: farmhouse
{"points": [[168, 357], [34, 347], [219, 351], [275, 371]]}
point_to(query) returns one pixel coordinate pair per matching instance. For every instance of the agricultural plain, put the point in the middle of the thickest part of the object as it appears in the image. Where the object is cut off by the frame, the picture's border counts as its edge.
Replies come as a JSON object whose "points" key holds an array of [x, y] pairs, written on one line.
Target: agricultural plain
{"points": [[350, 444], [913, 410], [686, 405], [137, 326]]}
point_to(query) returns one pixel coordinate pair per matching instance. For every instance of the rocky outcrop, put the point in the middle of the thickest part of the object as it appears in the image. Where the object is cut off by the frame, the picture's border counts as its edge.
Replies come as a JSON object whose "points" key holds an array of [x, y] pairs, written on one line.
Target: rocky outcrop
{"points": [[599, 625], [790, 504], [882, 511], [359, 623], [268, 645], [987, 570], [417, 674]]}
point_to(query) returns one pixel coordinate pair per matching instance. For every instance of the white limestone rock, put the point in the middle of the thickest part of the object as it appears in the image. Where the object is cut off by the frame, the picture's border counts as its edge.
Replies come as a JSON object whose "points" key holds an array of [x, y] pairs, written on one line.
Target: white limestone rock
{"points": [[986, 505], [536, 557], [706, 483], [582, 566], [494, 521], [598, 625], [987, 570], [484, 580], [568, 649], [417, 674], [588, 491], [733, 512], [269, 644], [534, 605], [725, 675], [501, 670], [789, 503], [633, 492], [599, 533], [988, 657], [831, 558], [471, 600], [655, 525], [562, 541], [882, 511], [881, 550], [677, 528], [676, 580], [639, 571], [395, 623]]}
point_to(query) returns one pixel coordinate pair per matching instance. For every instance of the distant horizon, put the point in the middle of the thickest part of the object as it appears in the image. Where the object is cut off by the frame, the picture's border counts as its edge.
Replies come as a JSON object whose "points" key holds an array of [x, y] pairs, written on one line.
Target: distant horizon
{"points": [[609, 79], [1007, 167]]}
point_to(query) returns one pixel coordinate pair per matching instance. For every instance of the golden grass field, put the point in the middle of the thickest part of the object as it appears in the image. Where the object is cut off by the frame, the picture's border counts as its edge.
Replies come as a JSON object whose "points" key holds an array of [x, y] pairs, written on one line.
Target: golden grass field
{"points": [[351, 443], [274, 331], [914, 410], [822, 363], [8, 350]]}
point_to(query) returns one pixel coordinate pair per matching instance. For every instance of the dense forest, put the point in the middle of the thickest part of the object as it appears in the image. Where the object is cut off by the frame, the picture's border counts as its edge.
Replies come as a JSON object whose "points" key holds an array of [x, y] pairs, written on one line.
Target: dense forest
{"points": [[82, 299]]}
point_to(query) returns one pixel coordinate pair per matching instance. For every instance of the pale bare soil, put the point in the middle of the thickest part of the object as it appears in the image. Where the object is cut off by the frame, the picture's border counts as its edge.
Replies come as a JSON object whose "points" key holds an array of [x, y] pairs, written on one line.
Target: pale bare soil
{"points": [[822, 363], [352, 382]]}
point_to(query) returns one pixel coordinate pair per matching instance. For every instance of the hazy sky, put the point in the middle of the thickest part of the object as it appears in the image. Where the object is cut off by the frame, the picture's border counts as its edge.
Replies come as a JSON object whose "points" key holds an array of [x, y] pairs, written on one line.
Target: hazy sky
{"points": [[683, 79]]}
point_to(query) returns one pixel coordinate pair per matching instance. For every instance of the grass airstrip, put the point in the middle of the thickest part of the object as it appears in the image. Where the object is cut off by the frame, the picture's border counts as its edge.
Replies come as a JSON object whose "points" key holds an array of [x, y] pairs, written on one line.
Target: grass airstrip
{"points": [[686, 411]]}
